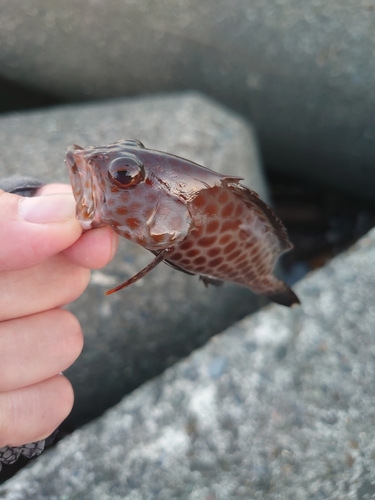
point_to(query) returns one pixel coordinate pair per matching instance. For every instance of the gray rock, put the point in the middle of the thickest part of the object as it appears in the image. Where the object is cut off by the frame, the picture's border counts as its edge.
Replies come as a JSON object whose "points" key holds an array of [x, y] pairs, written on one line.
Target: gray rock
{"points": [[133, 335], [302, 71], [280, 406]]}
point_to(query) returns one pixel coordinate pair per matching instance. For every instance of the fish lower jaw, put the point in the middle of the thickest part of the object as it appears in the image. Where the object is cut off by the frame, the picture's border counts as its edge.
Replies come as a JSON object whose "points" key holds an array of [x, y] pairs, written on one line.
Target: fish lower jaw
{"points": [[86, 224], [89, 218], [90, 223], [85, 218]]}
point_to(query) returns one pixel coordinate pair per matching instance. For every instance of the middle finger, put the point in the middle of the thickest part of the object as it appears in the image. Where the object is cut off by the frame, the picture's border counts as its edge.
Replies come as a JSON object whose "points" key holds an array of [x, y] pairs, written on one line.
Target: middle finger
{"points": [[54, 282]]}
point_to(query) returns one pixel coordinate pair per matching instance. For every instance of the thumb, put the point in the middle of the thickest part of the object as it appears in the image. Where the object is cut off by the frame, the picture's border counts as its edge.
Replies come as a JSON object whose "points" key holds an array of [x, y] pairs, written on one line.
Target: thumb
{"points": [[33, 229]]}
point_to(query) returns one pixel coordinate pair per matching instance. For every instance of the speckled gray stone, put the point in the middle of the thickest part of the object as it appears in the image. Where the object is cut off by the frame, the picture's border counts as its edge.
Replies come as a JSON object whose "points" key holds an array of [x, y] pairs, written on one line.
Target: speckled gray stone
{"points": [[302, 70], [280, 406], [133, 335]]}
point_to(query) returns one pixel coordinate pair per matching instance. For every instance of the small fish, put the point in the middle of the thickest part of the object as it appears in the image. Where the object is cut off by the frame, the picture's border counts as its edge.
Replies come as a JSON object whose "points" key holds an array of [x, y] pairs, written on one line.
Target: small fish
{"points": [[194, 219]]}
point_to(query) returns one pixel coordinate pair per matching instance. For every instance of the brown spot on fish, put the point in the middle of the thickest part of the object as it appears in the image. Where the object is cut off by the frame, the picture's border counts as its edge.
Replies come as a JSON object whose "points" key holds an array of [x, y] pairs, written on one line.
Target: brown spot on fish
{"points": [[232, 256], [229, 248], [206, 241], [229, 225], [121, 210], [224, 239], [200, 269], [244, 264], [200, 200], [216, 262], [132, 222], [186, 245], [212, 226], [212, 252], [223, 268], [228, 210], [193, 252], [199, 261], [239, 210], [211, 209], [177, 255]]}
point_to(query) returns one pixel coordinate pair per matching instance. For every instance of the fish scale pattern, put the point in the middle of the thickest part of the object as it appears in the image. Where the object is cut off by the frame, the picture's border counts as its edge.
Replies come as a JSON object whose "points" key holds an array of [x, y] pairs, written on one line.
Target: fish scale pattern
{"points": [[231, 245]]}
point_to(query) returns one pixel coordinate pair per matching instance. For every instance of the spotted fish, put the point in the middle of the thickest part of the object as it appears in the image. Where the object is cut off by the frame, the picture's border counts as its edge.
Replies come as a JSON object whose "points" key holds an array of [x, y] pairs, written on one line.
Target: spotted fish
{"points": [[194, 219]]}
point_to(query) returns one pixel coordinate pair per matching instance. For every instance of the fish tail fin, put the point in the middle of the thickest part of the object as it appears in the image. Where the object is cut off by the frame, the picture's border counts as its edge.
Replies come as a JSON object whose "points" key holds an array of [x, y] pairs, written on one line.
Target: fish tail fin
{"points": [[282, 294]]}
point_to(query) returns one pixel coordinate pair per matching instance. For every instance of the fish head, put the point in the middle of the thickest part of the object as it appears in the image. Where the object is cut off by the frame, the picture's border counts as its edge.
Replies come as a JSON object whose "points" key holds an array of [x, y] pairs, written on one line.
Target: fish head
{"points": [[103, 180], [117, 185]]}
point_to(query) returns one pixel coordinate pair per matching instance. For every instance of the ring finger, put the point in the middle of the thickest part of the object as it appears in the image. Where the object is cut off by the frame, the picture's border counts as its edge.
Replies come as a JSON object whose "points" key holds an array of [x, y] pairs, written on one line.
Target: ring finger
{"points": [[37, 347]]}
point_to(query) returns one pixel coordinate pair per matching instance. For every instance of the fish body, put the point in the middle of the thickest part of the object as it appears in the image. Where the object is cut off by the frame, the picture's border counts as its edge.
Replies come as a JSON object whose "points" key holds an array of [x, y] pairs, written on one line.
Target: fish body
{"points": [[194, 219]]}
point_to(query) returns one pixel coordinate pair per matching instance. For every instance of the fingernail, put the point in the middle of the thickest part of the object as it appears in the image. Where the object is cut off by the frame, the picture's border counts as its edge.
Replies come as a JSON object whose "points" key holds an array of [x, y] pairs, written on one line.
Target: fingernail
{"points": [[47, 209]]}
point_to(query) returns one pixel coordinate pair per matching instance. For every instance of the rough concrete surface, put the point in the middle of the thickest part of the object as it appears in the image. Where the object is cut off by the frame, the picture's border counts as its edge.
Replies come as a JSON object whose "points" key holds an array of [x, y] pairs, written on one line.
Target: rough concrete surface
{"points": [[302, 70], [280, 406], [133, 335]]}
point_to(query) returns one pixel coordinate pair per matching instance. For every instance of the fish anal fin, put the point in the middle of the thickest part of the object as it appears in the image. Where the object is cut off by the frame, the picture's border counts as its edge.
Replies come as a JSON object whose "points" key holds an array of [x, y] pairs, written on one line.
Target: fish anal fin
{"points": [[211, 281], [283, 295], [264, 212], [159, 258]]}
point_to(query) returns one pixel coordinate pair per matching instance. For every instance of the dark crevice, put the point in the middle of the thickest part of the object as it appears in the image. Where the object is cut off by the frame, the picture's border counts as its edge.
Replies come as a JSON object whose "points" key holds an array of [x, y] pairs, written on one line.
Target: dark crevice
{"points": [[17, 97], [321, 221]]}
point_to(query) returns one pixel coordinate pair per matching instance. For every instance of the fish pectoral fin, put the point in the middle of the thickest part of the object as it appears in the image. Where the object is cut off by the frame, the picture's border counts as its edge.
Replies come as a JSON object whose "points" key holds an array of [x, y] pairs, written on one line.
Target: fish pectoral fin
{"points": [[159, 258], [211, 281], [173, 265]]}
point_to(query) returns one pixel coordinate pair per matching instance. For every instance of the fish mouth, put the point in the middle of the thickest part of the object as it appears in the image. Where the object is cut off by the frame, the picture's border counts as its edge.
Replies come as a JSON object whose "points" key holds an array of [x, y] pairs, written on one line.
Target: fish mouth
{"points": [[86, 189]]}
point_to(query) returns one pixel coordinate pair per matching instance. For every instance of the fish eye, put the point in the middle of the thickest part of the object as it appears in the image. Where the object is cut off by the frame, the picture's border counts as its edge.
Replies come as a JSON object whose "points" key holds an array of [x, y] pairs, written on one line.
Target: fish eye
{"points": [[126, 171]]}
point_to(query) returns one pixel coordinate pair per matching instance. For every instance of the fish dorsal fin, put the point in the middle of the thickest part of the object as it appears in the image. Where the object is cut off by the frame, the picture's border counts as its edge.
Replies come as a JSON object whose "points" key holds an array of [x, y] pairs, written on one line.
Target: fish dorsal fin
{"points": [[264, 212]]}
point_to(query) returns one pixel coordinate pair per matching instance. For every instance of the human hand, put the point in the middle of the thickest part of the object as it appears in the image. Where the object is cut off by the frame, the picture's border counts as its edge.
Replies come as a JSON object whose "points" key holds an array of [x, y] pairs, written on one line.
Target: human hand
{"points": [[44, 264]]}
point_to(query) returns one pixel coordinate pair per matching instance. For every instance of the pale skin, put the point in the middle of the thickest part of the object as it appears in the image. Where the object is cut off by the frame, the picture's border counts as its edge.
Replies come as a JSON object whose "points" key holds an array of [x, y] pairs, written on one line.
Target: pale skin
{"points": [[44, 265]]}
